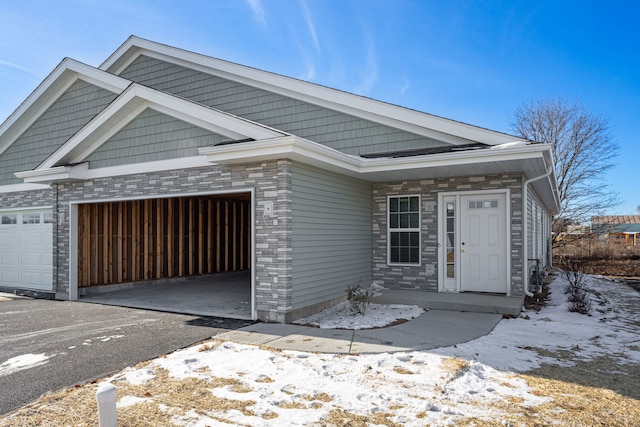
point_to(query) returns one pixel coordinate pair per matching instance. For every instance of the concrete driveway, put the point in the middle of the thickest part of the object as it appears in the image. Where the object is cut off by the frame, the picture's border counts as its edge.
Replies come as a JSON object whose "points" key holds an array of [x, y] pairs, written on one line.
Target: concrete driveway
{"points": [[49, 345]]}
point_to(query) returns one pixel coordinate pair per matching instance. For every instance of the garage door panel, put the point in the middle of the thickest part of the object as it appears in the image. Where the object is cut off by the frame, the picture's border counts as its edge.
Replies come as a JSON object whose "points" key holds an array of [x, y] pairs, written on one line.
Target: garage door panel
{"points": [[32, 237], [10, 277], [9, 237], [9, 258], [29, 259]]}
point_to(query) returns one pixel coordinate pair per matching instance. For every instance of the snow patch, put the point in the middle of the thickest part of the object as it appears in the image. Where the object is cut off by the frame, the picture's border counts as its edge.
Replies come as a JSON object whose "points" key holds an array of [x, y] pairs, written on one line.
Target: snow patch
{"points": [[20, 363]]}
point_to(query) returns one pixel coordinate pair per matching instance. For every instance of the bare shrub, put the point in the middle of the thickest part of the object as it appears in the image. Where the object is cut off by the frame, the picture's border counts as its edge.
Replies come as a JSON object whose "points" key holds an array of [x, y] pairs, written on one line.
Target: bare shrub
{"points": [[579, 297], [359, 298]]}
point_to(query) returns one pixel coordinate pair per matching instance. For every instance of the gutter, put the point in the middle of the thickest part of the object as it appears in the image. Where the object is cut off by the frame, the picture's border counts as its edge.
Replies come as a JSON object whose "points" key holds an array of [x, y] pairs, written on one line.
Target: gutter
{"points": [[525, 228]]}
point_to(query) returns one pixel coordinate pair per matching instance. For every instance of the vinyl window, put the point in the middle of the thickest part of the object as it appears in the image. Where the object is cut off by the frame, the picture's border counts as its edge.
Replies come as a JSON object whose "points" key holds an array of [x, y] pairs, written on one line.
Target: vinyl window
{"points": [[404, 230]]}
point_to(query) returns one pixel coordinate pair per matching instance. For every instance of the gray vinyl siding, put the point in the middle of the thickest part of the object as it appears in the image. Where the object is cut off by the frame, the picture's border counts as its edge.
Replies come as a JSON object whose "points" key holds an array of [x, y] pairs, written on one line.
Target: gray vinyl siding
{"points": [[332, 239], [152, 136], [340, 131], [538, 230], [75, 108]]}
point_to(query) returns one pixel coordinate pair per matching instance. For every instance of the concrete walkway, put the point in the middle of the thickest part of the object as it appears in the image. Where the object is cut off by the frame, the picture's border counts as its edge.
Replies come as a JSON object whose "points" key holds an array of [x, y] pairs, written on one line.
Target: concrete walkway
{"points": [[433, 329]]}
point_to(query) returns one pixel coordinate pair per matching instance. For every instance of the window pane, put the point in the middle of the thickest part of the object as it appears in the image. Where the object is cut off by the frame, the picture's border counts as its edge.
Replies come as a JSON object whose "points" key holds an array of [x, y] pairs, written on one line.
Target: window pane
{"points": [[450, 240], [10, 219], [404, 239], [450, 209], [450, 255], [395, 239], [450, 270], [393, 220], [395, 254], [404, 221], [404, 204], [32, 218], [449, 224], [414, 220], [404, 255], [415, 255], [47, 218], [393, 205], [415, 240], [414, 205]]}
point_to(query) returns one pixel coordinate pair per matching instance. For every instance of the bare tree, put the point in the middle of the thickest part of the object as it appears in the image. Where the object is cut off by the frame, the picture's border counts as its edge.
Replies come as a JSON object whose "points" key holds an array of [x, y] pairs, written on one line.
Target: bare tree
{"points": [[638, 209], [583, 148]]}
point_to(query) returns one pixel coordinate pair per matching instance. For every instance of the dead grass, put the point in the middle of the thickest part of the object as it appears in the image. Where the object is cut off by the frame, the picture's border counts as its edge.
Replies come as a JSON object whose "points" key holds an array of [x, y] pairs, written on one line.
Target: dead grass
{"points": [[342, 418], [77, 407], [571, 405]]}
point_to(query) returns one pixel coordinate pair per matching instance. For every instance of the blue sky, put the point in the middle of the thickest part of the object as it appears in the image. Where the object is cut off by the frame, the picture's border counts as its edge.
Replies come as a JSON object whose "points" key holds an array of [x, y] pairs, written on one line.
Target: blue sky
{"points": [[470, 61]]}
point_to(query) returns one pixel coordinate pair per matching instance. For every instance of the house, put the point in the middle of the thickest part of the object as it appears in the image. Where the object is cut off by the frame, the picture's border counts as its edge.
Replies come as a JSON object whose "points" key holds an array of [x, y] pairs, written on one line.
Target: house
{"points": [[163, 163], [617, 230]]}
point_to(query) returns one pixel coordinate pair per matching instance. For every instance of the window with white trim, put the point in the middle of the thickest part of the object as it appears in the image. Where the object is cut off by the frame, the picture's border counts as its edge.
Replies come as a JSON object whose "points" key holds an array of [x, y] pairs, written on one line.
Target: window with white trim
{"points": [[404, 230]]}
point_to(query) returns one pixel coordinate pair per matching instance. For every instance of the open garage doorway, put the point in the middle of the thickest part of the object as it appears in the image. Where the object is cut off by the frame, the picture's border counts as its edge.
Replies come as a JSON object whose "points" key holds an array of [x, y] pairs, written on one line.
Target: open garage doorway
{"points": [[188, 253]]}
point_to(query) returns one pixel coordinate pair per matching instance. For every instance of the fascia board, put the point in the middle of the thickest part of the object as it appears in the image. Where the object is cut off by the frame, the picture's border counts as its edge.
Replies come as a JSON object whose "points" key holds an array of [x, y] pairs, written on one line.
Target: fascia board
{"points": [[51, 88], [132, 102], [452, 159], [57, 174], [420, 123]]}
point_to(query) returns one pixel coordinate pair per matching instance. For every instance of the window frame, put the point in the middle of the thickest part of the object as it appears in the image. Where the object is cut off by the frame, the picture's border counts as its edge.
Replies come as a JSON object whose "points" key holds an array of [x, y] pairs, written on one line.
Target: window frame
{"points": [[398, 229]]}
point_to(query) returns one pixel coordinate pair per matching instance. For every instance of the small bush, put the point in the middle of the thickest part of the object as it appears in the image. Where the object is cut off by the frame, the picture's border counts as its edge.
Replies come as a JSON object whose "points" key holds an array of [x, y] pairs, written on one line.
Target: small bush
{"points": [[578, 293], [359, 298]]}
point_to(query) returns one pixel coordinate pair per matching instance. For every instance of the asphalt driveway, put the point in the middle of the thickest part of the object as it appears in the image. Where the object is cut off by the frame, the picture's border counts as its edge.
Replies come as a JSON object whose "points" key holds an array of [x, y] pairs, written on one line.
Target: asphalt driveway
{"points": [[49, 345]]}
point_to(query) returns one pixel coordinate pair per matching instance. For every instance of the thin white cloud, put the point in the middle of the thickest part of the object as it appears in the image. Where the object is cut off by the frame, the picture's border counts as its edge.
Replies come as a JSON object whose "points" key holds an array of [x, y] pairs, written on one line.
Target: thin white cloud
{"points": [[370, 72], [310, 26], [258, 11], [405, 88], [16, 66]]}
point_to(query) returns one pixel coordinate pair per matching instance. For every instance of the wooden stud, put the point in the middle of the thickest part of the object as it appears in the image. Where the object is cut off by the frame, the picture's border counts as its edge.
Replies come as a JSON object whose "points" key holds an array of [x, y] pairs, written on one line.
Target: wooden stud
{"points": [[218, 236], [159, 238], [181, 220], [234, 242], [119, 236], [226, 235], [200, 207], [210, 236], [170, 238]]}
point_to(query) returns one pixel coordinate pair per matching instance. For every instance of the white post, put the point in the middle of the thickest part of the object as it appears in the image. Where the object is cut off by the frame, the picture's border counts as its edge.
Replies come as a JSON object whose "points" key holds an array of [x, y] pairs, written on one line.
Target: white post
{"points": [[106, 397]]}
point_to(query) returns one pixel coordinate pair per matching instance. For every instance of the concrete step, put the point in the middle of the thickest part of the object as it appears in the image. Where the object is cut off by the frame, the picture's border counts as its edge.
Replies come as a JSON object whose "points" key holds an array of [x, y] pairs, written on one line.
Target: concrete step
{"points": [[471, 302]]}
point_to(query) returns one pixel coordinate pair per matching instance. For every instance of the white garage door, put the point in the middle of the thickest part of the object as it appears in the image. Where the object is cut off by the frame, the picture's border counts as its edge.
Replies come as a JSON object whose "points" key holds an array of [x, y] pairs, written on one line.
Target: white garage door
{"points": [[26, 249]]}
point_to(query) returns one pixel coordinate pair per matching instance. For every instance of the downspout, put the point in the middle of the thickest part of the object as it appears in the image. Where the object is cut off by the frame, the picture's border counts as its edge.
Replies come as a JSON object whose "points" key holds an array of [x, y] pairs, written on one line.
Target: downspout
{"points": [[525, 228]]}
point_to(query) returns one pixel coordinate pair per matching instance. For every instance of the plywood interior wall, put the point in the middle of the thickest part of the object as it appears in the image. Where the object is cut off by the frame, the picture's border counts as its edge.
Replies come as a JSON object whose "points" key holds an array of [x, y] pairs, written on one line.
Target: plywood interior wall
{"points": [[136, 240]]}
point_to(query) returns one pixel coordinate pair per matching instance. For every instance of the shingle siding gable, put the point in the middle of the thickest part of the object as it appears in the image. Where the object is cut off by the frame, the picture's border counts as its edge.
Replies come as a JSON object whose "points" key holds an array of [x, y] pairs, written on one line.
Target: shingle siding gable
{"points": [[334, 129], [74, 109], [152, 136]]}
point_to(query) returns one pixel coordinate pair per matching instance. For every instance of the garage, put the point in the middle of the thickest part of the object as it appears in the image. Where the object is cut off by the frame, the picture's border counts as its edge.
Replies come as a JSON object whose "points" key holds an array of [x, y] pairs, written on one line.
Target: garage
{"points": [[166, 248], [26, 249]]}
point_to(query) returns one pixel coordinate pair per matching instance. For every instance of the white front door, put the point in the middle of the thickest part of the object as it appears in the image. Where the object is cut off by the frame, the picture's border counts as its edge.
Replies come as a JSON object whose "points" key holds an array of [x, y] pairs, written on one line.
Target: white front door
{"points": [[473, 243], [483, 243]]}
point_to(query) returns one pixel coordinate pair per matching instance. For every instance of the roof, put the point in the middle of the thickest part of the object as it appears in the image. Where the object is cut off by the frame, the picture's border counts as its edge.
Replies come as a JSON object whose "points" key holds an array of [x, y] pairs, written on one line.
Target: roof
{"points": [[417, 122], [472, 151], [615, 219]]}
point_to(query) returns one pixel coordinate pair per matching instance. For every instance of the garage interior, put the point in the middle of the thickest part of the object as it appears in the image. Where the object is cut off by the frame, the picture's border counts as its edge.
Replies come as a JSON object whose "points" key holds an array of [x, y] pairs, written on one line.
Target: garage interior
{"points": [[188, 254]]}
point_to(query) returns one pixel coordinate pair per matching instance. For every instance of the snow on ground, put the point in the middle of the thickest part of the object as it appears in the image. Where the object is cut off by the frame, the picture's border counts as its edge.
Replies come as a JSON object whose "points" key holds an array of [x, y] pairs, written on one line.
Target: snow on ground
{"points": [[415, 388], [340, 316], [22, 362]]}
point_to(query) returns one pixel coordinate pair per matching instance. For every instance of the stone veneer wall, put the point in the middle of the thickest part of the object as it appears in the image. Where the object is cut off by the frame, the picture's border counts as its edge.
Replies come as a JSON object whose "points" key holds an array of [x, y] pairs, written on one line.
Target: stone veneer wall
{"points": [[271, 182], [416, 277]]}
